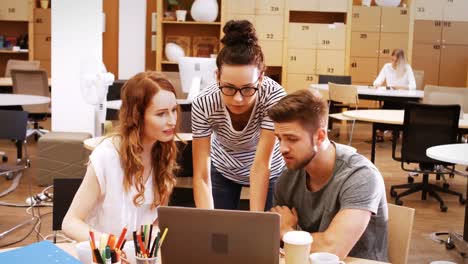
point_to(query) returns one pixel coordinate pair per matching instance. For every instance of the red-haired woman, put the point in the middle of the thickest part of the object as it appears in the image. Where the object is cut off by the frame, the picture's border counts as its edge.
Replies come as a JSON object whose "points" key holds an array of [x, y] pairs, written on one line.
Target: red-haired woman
{"points": [[132, 172]]}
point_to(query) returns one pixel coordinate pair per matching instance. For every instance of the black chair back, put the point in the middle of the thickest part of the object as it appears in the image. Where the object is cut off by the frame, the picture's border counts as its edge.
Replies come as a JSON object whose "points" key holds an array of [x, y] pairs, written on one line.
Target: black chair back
{"points": [[425, 126], [13, 125], [325, 79], [64, 192]]}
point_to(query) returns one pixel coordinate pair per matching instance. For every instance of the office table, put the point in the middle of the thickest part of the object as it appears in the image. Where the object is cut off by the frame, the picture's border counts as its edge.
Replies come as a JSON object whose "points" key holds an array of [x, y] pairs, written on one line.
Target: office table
{"points": [[380, 93], [8, 82], [70, 249], [456, 154], [392, 118]]}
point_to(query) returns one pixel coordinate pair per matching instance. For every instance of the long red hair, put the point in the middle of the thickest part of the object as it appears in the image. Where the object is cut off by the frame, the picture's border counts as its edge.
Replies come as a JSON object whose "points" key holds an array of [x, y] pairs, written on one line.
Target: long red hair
{"points": [[136, 96]]}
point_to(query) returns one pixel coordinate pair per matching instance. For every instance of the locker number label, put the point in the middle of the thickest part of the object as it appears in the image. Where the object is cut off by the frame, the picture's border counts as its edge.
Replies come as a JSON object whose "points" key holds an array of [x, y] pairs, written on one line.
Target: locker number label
{"points": [[292, 58], [354, 65], [326, 42], [11, 10], [274, 8], [420, 9], [330, 70], [386, 51], [355, 15], [437, 23], [309, 78], [270, 36], [305, 28], [364, 36], [403, 12]]}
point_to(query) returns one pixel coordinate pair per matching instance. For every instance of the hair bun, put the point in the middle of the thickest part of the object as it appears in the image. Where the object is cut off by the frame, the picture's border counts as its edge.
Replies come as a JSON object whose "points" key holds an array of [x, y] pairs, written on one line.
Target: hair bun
{"points": [[238, 32]]}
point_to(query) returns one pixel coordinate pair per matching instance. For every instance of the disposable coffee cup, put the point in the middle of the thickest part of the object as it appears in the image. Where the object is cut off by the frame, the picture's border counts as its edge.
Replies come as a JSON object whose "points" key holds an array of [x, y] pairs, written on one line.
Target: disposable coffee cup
{"points": [[297, 247], [324, 258]]}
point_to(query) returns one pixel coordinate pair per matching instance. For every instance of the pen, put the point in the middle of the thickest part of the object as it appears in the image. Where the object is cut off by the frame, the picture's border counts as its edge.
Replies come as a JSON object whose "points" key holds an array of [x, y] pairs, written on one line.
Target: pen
{"points": [[149, 238], [121, 237], [108, 255], [123, 244], [97, 254], [135, 241], [155, 242], [92, 249]]}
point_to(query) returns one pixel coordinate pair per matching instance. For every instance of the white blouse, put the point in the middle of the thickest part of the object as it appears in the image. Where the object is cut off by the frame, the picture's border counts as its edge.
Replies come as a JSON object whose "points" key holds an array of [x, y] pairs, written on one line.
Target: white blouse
{"points": [[390, 75], [115, 208]]}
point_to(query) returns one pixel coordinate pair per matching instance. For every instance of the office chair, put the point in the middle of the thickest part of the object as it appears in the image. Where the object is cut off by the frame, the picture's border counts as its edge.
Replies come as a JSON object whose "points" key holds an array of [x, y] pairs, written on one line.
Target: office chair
{"points": [[400, 227], [20, 65], [13, 127], [334, 107], [64, 192], [426, 126], [33, 82], [419, 78]]}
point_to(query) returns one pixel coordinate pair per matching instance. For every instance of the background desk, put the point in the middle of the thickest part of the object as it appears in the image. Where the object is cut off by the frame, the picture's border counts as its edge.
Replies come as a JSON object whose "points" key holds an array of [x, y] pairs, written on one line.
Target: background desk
{"points": [[388, 117]]}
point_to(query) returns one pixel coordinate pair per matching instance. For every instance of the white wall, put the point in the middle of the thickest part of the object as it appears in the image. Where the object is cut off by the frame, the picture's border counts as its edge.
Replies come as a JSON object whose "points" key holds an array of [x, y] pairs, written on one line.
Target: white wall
{"points": [[132, 26], [76, 35]]}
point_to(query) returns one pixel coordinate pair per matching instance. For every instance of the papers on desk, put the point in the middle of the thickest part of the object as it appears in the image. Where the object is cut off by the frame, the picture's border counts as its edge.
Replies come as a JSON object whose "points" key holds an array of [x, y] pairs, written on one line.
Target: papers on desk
{"points": [[44, 252]]}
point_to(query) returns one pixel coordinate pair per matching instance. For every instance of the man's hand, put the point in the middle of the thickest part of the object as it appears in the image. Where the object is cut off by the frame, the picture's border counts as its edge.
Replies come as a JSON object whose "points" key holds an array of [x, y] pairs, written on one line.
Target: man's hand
{"points": [[289, 218]]}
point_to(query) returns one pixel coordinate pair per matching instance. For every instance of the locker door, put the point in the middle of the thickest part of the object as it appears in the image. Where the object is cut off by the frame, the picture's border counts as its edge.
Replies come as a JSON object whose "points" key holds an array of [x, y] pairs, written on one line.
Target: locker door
{"points": [[391, 41], [453, 65], [302, 61], [333, 6], [300, 81], [332, 37], [429, 9], [304, 5], [363, 70], [330, 62], [269, 7], [303, 35], [238, 16], [426, 57], [269, 27], [426, 31], [273, 52], [365, 44], [456, 10], [395, 19], [240, 7], [366, 19], [15, 10], [455, 32]]}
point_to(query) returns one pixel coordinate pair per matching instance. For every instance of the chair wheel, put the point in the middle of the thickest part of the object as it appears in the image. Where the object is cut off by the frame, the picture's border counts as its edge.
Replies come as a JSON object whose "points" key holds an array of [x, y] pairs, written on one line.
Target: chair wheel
{"points": [[393, 193], [410, 179], [443, 208], [398, 202], [462, 200], [446, 185]]}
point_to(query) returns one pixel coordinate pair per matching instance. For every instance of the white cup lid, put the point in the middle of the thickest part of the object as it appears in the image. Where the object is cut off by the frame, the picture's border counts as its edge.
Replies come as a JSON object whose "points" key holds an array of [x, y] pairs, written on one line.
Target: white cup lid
{"points": [[297, 238]]}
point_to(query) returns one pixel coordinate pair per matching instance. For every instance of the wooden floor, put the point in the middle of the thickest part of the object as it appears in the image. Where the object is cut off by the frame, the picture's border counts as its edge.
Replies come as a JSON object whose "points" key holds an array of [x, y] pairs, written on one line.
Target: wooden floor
{"points": [[428, 217]]}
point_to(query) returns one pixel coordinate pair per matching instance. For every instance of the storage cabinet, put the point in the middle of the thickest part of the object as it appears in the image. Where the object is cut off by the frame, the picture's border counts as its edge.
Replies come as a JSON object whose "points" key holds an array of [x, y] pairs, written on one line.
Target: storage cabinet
{"points": [[272, 50], [426, 57], [42, 37], [319, 5], [429, 9], [14, 10], [455, 10], [240, 6], [301, 61], [330, 62], [363, 70], [300, 81], [365, 44], [455, 33], [269, 27], [303, 35], [391, 41], [269, 7], [453, 65], [394, 20], [366, 19]]}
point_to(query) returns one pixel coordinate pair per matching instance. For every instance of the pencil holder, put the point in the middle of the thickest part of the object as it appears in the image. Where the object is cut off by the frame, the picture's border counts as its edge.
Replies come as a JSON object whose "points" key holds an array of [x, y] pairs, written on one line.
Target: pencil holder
{"points": [[146, 260]]}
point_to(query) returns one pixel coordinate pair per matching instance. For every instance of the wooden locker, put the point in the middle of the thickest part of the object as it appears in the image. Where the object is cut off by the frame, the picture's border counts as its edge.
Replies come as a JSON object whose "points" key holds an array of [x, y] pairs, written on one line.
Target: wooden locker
{"points": [[366, 19], [455, 32], [330, 62], [45, 65], [304, 5], [240, 7], [42, 21], [382, 62], [429, 9], [426, 31], [453, 65], [237, 16], [426, 57], [332, 37], [333, 6], [269, 7], [273, 51], [394, 20], [365, 44], [303, 35], [363, 70], [302, 61], [14, 10], [456, 10], [300, 81], [269, 27], [391, 41], [42, 47]]}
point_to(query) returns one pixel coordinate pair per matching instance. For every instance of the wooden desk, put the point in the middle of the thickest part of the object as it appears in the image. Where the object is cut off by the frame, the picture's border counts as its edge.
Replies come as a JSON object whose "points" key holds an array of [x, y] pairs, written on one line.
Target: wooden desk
{"points": [[70, 249], [8, 82], [387, 117]]}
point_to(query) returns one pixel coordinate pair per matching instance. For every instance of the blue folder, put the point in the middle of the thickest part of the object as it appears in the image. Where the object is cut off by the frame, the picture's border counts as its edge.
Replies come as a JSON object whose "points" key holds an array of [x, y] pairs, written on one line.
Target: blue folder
{"points": [[44, 252]]}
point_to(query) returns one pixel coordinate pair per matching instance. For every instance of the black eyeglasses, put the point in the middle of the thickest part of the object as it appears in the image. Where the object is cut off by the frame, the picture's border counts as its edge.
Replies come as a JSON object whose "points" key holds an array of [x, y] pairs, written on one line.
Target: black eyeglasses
{"points": [[230, 90]]}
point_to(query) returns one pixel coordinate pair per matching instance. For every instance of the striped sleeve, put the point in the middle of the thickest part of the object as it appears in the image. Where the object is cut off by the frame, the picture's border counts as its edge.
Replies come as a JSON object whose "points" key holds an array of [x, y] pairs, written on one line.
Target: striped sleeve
{"points": [[274, 92], [200, 125]]}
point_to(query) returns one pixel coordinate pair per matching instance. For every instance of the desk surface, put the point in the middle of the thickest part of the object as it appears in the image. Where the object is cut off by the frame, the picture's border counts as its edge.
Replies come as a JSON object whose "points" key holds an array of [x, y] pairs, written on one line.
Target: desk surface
{"points": [[378, 92], [22, 99], [394, 117], [7, 81], [116, 104], [91, 143], [453, 153], [70, 249]]}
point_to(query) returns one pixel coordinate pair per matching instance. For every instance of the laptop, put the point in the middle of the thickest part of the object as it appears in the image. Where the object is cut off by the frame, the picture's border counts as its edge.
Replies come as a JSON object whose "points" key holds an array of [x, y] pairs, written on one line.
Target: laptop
{"points": [[201, 236]]}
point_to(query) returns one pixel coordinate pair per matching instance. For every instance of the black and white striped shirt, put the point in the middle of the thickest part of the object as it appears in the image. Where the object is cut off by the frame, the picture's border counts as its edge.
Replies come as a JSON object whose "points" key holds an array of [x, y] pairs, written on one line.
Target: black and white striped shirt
{"points": [[233, 152]]}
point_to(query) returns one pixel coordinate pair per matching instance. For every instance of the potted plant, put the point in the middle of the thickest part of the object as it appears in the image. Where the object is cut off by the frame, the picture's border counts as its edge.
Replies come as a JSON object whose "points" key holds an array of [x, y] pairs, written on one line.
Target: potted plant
{"points": [[175, 11]]}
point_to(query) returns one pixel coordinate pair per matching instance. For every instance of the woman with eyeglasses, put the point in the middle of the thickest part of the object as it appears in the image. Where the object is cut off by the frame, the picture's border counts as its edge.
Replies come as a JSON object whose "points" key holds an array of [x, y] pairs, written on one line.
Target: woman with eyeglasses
{"points": [[233, 140]]}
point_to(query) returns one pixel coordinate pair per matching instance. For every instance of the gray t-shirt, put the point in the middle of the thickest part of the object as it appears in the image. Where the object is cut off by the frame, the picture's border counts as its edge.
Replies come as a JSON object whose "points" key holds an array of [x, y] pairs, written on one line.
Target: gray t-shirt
{"points": [[355, 184]]}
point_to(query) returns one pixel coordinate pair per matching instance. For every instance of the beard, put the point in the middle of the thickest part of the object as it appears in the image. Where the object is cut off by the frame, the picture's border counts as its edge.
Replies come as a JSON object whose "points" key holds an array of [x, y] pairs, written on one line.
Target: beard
{"points": [[301, 163]]}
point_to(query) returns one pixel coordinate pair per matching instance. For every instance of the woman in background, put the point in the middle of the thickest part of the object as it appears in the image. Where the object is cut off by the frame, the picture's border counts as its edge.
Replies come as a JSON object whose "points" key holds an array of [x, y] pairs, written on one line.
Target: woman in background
{"points": [[132, 172], [397, 74]]}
